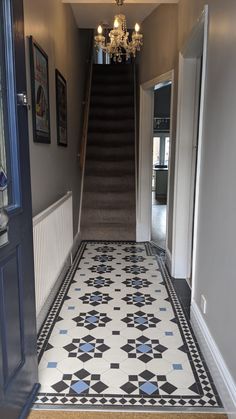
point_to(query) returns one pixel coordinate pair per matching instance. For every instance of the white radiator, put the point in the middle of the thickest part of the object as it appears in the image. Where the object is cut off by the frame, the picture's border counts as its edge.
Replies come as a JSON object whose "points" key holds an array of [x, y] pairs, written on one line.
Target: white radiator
{"points": [[53, 240]]}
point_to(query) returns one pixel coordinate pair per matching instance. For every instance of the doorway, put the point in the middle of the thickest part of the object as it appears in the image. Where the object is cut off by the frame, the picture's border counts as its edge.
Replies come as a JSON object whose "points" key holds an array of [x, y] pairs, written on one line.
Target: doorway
{"points": [[160, 166], [188, 161], [145, 166]]}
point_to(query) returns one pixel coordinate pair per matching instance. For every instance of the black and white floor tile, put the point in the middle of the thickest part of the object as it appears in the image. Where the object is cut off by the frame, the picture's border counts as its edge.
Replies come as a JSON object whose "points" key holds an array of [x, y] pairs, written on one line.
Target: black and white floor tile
{"points": [[118, 336]]}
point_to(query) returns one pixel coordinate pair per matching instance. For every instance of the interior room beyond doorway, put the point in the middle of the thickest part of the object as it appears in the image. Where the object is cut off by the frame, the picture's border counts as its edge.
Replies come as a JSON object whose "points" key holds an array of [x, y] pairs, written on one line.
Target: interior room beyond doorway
{"points": [[161, 147]]}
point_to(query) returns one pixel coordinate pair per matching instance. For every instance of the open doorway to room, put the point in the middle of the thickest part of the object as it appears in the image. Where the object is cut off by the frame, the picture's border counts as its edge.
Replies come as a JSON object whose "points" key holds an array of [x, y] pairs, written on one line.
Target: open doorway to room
{"points": [[155, 135], [160, 162], [191, 90]]}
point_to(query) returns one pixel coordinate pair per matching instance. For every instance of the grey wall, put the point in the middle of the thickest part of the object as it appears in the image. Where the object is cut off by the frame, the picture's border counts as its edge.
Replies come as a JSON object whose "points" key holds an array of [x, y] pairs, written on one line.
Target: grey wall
{"points": [[158, 56], [54, 169], [216, 255]]}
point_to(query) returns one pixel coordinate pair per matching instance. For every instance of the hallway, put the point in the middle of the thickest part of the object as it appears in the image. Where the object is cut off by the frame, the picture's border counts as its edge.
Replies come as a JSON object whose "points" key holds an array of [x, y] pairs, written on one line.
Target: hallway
{"points": [[116, 336], [94, 316]]}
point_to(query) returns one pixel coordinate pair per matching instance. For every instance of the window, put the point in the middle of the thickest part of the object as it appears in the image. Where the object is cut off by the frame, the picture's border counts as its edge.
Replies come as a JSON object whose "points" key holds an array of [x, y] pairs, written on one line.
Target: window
{"points": [[9, 162], [161, 147], [167, 149], [156, 150]]}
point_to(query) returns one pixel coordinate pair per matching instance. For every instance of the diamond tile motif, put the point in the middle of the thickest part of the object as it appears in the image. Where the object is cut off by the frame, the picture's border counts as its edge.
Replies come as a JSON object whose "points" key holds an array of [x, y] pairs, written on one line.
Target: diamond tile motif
{"points": [[133, 249], [135, 269], [144, 349], [92, 319], [80, 383], [86, 348], [103, 258], [96, 298], [101, 269], [146, 384], [134, 258], [105, 249], [137, 283], [140, 320], [117, 337], [138, 299], [99, 282]]}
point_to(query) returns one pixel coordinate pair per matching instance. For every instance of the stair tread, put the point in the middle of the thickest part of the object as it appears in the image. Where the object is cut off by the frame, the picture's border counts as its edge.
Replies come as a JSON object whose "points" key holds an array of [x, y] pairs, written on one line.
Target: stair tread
{"points": [[102, 144]]}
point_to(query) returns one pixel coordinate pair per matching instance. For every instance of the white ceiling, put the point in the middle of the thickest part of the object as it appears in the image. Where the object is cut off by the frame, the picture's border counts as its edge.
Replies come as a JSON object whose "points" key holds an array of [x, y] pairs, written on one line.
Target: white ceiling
{"points": [[90, 13]]}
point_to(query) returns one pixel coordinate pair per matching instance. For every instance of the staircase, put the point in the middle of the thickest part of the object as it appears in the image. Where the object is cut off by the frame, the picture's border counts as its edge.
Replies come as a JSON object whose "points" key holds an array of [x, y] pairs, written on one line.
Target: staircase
{"points": [[108, 211]]}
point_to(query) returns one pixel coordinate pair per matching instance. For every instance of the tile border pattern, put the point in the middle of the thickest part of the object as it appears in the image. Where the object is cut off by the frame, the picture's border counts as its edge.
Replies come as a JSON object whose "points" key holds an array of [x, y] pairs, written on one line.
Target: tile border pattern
{"points": [[208, 397]]}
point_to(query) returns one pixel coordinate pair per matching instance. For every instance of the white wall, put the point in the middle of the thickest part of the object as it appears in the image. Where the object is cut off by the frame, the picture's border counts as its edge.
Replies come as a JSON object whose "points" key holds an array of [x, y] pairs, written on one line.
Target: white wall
{"points": [[54, 169]]}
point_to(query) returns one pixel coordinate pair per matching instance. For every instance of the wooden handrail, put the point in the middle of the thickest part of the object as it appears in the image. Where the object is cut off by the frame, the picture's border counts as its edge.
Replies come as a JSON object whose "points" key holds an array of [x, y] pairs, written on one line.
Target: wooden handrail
{"points": [[83, 145], [86, 113]]}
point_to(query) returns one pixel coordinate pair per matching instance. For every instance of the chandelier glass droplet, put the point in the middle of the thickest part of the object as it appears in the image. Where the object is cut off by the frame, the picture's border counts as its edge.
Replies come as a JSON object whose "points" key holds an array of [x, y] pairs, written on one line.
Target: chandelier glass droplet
{"points": [[119, 43]]}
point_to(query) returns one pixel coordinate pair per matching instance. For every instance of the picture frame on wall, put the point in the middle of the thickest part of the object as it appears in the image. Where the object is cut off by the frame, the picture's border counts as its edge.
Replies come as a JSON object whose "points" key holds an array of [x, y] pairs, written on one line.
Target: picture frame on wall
{"points": [[39, 93], [61, 107]]}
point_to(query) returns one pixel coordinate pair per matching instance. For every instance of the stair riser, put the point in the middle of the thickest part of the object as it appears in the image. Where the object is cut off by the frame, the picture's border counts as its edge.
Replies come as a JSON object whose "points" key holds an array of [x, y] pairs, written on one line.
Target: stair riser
{"points": [[110, 172], [109, 184], [117, 137], [112, 154], [110, 125], [112, 69], [111, 80], [112, 101], [116, 233], [109, 165], [110, 90], [109, 200], [108, 215], [103, 145], [117, 113]]}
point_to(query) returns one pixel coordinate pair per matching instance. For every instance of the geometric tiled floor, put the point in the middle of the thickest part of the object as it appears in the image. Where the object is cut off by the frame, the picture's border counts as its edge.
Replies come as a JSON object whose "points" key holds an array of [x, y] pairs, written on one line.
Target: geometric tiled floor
{"points": [[117, 336]]}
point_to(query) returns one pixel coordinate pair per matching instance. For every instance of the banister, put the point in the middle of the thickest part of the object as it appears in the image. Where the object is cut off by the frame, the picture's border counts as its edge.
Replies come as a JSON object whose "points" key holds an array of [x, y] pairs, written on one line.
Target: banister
{"points": [[82, 154], [86, 112]]}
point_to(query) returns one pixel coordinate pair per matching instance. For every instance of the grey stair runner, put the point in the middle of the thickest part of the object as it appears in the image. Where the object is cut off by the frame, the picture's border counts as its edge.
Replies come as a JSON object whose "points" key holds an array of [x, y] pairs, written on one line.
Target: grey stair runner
{"points": [[108, 211]]}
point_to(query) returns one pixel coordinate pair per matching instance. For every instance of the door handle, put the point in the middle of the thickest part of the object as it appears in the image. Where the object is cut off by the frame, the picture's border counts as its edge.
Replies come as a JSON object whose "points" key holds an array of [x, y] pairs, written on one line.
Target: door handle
{"points": [[22, 99]]}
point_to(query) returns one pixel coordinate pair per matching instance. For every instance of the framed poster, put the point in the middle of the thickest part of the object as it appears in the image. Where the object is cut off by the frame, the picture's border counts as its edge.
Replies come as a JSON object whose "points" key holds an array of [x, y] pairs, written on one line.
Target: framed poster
{"points": [[39, 93], [61, 104]]}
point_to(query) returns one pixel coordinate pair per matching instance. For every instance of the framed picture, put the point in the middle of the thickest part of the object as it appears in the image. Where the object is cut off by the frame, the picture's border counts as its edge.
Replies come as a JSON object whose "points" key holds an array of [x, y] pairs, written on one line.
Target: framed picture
{"points": [[40, 93], [61, 103]]}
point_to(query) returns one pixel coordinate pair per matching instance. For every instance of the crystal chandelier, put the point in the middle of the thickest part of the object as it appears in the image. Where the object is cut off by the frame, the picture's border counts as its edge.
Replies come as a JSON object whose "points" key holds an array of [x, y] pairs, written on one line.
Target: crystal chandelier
{"points": [[119, 44]]}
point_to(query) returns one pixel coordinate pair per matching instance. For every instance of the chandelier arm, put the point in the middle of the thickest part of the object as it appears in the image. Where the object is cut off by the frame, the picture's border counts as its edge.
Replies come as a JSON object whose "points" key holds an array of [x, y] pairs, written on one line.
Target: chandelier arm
{"points": [[119, 2], [120, 42]]}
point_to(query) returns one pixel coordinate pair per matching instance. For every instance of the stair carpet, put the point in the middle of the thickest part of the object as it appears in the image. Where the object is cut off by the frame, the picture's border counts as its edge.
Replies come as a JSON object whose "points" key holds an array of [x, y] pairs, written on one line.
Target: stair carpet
{"points": [[108, 210]]}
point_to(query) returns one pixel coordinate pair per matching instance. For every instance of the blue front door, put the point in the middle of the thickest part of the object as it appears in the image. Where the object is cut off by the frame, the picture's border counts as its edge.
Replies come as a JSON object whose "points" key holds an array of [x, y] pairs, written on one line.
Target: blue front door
{"points": [[18, 361]]}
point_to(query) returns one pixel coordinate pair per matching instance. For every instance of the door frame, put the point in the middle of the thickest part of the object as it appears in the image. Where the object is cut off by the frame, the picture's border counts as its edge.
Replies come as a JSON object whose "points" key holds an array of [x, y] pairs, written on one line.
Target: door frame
{"points": [[144, 190], [188, 157]]}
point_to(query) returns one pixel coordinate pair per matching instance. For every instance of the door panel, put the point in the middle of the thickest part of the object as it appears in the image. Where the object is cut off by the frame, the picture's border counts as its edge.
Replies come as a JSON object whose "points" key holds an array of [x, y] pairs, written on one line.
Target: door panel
{"points": [[18, 360], [13, 350]]}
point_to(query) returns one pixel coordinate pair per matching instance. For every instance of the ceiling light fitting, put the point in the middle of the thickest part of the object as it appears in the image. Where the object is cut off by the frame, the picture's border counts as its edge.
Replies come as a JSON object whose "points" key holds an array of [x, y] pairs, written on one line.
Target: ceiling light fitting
{"points": [[120, 43]]}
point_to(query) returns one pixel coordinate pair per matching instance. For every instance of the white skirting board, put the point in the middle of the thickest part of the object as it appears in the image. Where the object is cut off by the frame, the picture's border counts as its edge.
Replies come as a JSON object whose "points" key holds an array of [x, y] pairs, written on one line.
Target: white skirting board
{"points": [[169, 261], [216, 364]]}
